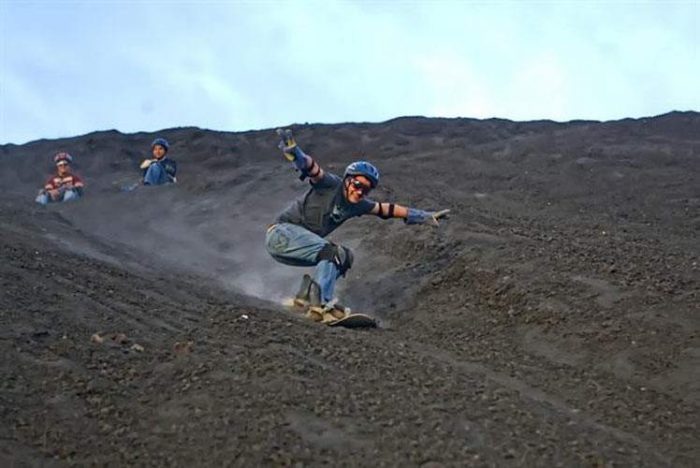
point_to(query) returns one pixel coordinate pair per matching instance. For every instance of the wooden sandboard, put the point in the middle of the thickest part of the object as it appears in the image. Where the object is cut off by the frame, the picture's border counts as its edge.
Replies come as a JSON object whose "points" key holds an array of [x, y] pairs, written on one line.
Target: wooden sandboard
{"points": [[353, 321]]}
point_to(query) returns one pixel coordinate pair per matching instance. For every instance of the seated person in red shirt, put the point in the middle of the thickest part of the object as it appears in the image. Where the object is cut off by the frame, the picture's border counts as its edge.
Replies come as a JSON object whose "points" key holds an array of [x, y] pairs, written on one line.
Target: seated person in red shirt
{"points": [[64, 185]]}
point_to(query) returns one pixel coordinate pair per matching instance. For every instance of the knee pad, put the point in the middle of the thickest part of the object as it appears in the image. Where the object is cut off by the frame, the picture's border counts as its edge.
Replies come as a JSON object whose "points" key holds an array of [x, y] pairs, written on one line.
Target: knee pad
{"points": [[338, 254]]}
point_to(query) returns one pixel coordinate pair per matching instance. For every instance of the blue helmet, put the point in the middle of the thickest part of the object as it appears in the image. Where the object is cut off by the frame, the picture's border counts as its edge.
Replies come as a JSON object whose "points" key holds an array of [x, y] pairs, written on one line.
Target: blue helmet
{"points": [[161, 142], [363, 168]]}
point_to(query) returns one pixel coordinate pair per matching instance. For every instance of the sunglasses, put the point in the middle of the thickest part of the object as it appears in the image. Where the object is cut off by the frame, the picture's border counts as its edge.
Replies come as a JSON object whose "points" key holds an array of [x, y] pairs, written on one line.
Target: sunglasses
{"points": [[360, 187]]}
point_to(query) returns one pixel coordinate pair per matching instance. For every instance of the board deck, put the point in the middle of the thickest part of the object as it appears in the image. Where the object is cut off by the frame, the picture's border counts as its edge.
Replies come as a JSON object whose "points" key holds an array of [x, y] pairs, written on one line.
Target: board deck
{"points": [[354, 321]]}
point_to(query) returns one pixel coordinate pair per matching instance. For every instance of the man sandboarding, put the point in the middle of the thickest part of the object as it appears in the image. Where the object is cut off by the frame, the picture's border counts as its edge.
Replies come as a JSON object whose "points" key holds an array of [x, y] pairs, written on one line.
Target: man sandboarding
{"points": [[297, 236]]}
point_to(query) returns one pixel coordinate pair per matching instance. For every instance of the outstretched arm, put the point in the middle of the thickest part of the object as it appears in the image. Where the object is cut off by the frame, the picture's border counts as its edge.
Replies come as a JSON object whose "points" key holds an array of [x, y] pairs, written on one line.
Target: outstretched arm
{"points": [[304, 163], [409, 215]]}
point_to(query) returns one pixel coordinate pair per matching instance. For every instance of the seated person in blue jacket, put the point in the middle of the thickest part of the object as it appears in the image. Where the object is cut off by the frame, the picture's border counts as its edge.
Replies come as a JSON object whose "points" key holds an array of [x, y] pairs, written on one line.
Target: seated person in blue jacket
{"points": [[62, 186], [160, 169], [297, 236]]}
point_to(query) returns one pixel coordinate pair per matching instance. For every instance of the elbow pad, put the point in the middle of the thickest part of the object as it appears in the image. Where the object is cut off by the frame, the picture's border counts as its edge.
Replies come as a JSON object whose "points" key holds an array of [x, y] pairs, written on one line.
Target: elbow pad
{"points": [[306, 165], [389, 214]]}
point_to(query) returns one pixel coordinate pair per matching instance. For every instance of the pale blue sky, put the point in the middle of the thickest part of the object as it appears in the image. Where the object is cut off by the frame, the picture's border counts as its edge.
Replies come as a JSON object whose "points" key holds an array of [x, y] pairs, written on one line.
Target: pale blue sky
{"points": [[69, 68]]}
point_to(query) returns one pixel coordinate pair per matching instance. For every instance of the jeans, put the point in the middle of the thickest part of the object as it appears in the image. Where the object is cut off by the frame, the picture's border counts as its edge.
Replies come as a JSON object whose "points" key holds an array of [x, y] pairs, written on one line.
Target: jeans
{"points": [[294, 245], [155, 175], [68, 195]]}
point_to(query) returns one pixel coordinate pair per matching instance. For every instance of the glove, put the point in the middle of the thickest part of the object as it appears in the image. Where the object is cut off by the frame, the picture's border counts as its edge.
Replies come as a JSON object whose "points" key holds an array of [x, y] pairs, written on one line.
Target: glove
{"points": [[146, 163], [287, 143], [291, 150], [416, 216]]}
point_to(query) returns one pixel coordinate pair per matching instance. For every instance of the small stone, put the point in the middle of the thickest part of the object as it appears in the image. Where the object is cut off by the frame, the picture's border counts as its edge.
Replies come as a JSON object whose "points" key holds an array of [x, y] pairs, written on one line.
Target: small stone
{"points": [[96, 338], [120, 338], [183, 347]]}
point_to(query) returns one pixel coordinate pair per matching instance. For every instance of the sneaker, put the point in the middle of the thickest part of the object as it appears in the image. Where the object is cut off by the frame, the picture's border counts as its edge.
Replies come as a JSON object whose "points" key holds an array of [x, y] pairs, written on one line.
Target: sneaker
{"points": [[330, 311]]}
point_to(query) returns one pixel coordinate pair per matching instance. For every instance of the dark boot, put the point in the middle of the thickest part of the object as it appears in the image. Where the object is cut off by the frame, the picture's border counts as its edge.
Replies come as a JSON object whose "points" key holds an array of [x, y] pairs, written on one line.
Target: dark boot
{"points": [[314, 294], [302, 297], [315, 310]]}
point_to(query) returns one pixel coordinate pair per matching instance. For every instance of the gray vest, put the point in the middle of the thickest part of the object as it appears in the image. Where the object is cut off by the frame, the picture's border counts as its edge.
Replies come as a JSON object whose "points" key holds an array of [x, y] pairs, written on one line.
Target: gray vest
{"points": [[324, 207]]}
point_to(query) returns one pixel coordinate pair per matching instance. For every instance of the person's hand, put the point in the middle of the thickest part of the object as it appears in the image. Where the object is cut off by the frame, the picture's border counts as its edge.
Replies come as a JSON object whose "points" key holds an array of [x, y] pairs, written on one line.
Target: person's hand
{"points": [[287, 143], [431, 218], [146, 163], [436, 216], [292, 152]]}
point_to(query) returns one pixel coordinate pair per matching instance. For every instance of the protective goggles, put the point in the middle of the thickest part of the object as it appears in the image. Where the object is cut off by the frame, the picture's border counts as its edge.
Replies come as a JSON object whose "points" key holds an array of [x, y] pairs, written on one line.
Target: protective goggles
{"points": [[364, 189]]}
